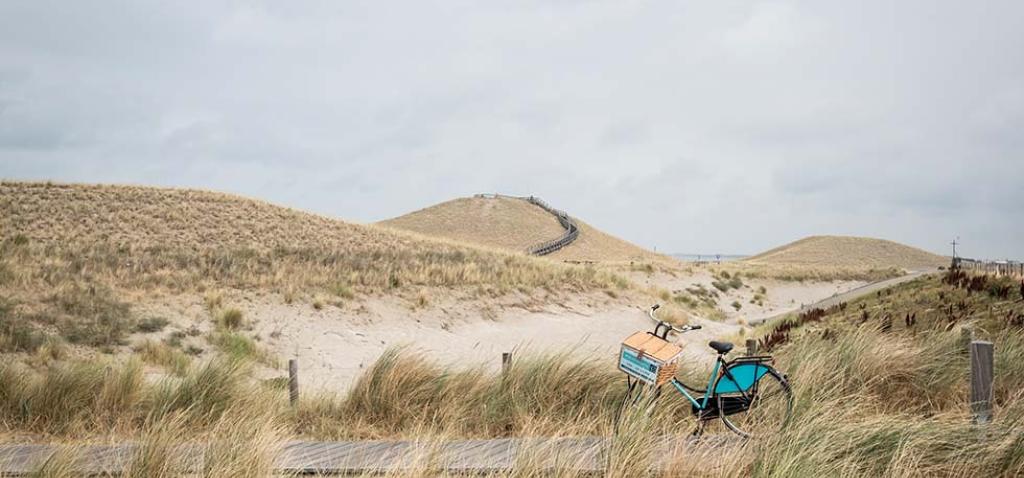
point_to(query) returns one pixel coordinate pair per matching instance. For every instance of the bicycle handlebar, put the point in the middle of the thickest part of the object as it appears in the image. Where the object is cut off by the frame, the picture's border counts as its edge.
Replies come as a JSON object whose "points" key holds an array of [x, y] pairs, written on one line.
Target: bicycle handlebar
{"points": [[685, 328]]}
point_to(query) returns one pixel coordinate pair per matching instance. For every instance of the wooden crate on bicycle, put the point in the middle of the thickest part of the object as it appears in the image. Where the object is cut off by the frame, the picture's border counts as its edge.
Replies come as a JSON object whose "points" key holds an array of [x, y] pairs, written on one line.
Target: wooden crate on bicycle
{"points": [[648, 358]]}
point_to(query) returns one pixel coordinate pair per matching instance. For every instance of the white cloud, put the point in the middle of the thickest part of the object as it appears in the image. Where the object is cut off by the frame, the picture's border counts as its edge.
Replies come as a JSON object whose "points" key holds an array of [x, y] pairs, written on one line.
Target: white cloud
{"points": [[693, 127]]}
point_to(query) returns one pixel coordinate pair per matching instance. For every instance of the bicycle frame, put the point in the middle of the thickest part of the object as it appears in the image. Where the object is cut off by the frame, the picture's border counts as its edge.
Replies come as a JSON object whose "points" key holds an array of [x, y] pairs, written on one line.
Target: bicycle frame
{"points": [[715, 380], [702, 405]]}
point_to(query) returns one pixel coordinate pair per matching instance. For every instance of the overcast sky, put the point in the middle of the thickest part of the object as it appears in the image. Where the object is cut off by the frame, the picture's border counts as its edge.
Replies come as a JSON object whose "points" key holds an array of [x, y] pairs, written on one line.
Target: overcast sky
{"points": [[724, 127]]}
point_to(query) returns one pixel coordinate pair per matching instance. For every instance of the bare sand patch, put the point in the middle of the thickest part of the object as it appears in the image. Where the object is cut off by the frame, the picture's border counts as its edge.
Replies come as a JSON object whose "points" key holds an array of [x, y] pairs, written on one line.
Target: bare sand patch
{"points": [[335, 344], [779, 296]]}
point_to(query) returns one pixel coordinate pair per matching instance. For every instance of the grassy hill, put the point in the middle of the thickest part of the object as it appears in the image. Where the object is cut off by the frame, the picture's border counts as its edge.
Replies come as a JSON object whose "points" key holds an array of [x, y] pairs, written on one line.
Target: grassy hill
{"points": [[75, 258], [142, 237], [514, 225], [885, 380], [501, 222], [845, 251]]}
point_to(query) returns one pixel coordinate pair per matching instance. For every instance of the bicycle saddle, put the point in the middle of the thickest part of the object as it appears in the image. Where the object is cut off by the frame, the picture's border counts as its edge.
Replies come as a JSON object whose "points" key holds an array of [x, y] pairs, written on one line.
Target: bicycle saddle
{"points": [[720, 347]]}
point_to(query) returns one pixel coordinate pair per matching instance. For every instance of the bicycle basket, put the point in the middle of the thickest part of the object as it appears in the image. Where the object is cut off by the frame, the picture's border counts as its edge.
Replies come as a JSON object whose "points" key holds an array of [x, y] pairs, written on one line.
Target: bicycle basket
{"points": [[649, 359]]}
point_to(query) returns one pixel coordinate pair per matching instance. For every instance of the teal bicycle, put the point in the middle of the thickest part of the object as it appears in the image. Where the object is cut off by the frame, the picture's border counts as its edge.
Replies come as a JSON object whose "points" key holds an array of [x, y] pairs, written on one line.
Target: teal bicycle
{"points": [[747, 393]]}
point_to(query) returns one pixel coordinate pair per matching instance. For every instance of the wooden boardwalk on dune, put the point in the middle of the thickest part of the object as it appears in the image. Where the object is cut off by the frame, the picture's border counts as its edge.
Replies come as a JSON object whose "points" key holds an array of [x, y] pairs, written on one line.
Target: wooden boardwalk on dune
{"points": [[476, 457], [572, 231]]}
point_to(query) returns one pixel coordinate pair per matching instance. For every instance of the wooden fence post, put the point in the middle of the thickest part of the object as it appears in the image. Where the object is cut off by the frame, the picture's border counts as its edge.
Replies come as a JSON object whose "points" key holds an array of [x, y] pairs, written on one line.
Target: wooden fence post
{"points": [[751, 347], [506, 362], [293, 381], [981, 380], [966, 336], [506, 367]]}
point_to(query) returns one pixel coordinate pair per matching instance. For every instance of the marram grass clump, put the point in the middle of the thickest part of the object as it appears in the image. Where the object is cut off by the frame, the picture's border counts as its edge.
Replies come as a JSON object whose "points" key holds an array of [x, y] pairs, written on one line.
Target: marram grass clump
{"points": [[402, 392]]}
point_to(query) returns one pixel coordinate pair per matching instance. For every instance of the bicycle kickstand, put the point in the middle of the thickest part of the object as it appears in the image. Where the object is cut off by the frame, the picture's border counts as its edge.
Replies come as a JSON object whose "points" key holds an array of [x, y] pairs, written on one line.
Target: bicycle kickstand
{"points": [[697, 432]]}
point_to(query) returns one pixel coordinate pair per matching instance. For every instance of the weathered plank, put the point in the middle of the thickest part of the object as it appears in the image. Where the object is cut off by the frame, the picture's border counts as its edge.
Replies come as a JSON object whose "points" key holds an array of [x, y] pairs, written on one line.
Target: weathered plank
{"points": [[481, 457], [349, 457], [23, 459]]}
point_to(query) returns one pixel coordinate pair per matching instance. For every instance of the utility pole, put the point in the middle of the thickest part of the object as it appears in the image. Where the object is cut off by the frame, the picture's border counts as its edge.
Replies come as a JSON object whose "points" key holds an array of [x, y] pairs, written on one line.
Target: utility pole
{"points": [[955, 261]]}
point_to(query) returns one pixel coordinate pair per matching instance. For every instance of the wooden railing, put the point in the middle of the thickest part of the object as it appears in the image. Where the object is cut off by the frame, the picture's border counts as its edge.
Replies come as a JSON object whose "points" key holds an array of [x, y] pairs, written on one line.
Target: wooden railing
{"points": [[547, 247], [572, 231]]}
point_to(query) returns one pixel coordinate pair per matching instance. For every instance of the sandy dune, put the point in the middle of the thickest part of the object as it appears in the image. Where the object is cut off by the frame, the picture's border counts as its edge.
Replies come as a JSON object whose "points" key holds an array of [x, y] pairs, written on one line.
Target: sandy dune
{"points": [[847, 251], [335, 345]]}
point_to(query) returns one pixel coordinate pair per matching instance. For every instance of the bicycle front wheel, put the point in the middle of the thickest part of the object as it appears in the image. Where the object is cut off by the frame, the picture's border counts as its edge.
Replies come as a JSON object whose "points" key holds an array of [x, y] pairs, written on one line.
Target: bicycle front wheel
{"points": [[765, 410]]}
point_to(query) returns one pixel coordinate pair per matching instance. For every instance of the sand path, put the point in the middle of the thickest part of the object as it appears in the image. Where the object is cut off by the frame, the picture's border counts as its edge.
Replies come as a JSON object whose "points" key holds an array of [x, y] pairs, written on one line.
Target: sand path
{"points": [[780, 297], [849, 295], [335, 346]]}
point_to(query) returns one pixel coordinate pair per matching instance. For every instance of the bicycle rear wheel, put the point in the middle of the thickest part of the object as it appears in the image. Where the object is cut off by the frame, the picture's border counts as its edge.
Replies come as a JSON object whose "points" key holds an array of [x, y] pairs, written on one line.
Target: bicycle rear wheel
{"points": [[765, 410]]}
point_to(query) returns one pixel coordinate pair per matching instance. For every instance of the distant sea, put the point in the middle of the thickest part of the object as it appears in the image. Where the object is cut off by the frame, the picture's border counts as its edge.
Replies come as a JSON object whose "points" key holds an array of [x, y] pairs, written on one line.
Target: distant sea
{"points": [[709, 257]]}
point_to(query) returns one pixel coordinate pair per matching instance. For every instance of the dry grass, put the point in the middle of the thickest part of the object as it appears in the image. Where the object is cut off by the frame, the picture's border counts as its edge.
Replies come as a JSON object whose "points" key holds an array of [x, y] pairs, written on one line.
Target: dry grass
{"points": [[63, 463], [697, 300], [68, 397], [163, 355], [156, 453], [18, 334], [941, 313], [403, 393], [230, 319], [501, 222], [806, 272], [239, 346], [244, 442], [83, 399]]}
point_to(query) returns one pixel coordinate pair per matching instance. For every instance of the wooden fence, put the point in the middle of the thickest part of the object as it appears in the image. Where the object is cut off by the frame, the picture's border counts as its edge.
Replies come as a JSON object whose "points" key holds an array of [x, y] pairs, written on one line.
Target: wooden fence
{"points": [[997, 268], [572, 231]]}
